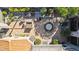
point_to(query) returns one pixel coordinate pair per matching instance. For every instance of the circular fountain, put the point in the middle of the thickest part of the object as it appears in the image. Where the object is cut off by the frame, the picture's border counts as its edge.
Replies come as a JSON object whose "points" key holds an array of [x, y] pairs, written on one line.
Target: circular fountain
{"points": [[48, 26]]}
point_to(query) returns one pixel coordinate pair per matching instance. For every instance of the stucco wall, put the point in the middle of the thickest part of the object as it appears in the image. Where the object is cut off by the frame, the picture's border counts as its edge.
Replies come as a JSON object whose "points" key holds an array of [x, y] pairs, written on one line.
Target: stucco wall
{"points": [[47, 48], [15, 45]]}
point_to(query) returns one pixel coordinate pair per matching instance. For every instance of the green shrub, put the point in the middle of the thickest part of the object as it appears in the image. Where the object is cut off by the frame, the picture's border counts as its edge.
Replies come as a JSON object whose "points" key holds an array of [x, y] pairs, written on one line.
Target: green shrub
{"points": [[55, 41], [37, 42]]}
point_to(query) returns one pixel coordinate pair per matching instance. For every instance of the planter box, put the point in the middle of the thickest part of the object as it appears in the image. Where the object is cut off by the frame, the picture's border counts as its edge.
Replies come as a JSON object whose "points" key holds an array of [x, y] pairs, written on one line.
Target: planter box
{"points": [[4, 45], [15, 44]]}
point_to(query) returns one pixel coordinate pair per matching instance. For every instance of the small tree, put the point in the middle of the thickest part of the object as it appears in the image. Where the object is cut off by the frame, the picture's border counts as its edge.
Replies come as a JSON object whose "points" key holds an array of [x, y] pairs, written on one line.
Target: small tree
{"points": [[10, 18], [43, 11], [16, 10], [73, 11], [63, 12], [4, 14], [46, 11], [11, 9]]}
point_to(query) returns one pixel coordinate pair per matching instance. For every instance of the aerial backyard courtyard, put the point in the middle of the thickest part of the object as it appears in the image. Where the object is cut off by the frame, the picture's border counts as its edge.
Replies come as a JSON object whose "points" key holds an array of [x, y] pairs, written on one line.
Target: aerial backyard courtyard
{"points": [[39, 29]]}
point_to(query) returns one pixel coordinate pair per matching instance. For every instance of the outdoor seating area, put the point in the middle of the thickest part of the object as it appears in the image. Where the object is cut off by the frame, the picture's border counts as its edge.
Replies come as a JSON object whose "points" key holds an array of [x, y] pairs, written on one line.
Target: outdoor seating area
{"points": [[23, 35], [24, 28]]}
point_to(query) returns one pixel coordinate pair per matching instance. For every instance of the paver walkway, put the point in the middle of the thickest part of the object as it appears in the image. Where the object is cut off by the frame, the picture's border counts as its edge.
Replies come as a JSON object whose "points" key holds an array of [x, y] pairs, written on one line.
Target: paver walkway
{"points": [[71, 47]]}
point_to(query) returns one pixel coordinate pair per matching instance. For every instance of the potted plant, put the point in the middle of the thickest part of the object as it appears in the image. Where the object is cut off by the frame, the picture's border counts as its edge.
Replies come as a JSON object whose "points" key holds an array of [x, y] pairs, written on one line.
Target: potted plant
{"points": [[37, 41], [54, 41]]}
